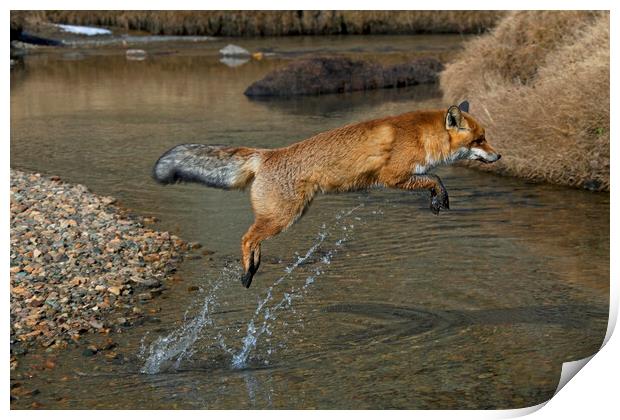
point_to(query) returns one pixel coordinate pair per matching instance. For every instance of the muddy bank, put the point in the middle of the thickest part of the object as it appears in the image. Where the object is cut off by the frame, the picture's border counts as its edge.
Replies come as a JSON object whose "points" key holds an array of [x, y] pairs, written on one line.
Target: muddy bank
{"points": [[322, 75], [269, 23], [79, 264], [543, 95]]}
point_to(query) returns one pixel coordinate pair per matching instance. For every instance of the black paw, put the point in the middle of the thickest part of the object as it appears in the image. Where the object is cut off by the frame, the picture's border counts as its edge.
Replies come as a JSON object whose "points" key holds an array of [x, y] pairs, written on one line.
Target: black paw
{"points": [[439, 201], [246, 279]]}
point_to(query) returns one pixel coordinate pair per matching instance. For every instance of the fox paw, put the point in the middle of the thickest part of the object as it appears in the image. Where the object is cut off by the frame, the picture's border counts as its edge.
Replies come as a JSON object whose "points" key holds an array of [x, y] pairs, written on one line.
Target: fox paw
{"points": [[439, 201], [246, 279]]}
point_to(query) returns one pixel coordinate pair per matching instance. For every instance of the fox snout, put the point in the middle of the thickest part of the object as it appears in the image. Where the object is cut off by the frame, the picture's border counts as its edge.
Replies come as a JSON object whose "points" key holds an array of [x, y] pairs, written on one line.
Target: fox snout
{"points": [[484, 156], [483, 152]]}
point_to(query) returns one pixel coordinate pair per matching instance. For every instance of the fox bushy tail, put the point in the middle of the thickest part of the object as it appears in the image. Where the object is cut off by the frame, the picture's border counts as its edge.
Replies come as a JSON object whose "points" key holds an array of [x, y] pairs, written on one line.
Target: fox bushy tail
{"points": [[213, 165]]}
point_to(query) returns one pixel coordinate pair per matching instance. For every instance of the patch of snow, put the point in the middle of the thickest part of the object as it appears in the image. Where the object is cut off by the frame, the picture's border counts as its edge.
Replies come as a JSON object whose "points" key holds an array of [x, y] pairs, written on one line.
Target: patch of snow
{"points": [[84, 30]]}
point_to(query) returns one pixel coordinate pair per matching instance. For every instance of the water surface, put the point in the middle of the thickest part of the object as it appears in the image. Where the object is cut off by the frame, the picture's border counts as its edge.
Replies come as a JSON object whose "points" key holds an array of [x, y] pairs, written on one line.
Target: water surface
{"points": [[370, 301]]}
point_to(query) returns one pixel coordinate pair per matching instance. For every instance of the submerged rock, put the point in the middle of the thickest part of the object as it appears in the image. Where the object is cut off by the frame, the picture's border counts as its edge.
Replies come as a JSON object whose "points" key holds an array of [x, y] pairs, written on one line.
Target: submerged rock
{"points": [[317, 76]]}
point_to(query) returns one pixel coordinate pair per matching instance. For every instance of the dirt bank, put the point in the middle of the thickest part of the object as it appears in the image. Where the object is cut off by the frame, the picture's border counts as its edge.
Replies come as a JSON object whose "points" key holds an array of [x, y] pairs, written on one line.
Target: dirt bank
{"points": [[540, 84]]}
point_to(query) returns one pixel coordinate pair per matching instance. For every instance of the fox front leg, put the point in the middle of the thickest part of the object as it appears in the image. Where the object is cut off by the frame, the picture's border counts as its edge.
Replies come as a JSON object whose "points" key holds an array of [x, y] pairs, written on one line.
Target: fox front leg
{"points": [[439, 196], [431, 182]]}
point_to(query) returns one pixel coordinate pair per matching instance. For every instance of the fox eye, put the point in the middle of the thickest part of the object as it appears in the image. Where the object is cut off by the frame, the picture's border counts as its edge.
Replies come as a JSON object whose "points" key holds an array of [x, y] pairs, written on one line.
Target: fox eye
{"points": [[478, 141]]}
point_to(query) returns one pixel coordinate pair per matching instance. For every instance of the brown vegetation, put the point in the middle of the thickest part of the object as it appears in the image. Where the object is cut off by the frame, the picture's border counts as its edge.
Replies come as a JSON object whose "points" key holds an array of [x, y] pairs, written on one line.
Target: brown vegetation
{"points": [[270, 23], [540, 84]]}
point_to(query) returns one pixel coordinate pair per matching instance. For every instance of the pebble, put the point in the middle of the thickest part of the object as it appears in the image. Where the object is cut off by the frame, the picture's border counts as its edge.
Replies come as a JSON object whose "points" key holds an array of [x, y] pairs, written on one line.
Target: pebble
{"points": [[88, 352], [145, 296], [79, 263]]}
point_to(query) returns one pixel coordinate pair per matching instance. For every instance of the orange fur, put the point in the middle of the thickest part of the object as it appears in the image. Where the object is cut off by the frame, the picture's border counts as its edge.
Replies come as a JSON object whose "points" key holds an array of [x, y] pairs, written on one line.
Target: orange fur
{"points": [[382, 152], [395, 152]]}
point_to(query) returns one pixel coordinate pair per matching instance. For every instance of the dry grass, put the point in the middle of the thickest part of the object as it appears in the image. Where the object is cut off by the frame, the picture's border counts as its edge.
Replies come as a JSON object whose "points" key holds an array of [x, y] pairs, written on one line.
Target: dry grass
{"points": [[23, 18], [272, 23], [540, 84]]}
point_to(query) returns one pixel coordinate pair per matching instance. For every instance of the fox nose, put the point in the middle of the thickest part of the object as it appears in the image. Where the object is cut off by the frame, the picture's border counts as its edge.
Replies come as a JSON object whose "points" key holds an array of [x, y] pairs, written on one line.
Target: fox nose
{"points": [[499, 156]]}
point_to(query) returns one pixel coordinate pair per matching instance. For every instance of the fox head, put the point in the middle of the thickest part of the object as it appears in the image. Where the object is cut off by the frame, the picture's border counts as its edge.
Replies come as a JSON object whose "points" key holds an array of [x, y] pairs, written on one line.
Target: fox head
{"points": [[467, 137]]}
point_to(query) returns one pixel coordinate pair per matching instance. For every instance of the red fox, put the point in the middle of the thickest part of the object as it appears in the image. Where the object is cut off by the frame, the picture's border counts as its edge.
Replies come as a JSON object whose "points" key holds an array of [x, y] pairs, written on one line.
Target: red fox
{"points": [[396, 152]]}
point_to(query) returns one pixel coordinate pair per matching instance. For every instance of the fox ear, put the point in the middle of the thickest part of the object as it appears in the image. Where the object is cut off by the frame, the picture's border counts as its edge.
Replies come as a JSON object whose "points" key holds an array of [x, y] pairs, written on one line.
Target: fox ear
{"points": [[464, 106], [453, 117]]}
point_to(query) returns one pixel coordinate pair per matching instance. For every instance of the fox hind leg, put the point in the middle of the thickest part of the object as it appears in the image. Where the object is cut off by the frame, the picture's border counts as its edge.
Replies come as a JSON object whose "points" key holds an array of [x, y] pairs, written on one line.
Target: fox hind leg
{"points": [[250, 246], [275, 209]]}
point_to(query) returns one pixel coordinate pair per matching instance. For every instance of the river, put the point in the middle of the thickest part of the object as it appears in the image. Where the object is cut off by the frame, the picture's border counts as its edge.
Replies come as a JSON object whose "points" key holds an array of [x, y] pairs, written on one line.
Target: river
{"points": [[369, 301]]}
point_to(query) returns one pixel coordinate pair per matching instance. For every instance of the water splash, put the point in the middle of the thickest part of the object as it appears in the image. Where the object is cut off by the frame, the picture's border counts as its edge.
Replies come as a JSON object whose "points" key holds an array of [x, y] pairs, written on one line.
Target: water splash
{"points": [[179, 345], [249, 341], [269, 314]]}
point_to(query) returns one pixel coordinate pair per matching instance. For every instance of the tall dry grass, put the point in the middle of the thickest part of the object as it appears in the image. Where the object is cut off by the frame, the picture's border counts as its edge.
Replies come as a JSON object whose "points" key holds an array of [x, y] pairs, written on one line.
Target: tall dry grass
{"points": [[540, 84], [272, 23]]}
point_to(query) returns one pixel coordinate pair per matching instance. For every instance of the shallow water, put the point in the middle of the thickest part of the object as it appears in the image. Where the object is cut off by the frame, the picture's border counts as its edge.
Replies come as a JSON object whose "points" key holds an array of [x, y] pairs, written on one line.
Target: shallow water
{"points": [[369, 301]]}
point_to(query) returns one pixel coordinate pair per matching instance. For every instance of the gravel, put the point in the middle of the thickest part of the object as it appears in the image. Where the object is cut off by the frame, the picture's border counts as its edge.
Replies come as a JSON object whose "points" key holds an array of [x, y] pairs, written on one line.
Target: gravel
{"points": [[79, 264]]}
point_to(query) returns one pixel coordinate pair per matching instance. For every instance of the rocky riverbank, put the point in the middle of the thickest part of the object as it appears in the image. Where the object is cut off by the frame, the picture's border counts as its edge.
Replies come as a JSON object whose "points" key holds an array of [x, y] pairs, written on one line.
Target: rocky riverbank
{"points": [[79, 264]]}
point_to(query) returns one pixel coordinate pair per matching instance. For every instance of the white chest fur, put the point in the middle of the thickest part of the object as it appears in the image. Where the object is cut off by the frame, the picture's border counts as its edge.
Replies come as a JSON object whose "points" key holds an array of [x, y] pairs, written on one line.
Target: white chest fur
{"points": [[432, 163]]}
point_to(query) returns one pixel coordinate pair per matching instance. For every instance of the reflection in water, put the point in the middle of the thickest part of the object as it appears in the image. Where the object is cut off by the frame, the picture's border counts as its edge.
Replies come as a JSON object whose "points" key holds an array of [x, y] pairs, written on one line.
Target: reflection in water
{"points": [[234, 61], [474, 308], [343, 102]]}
